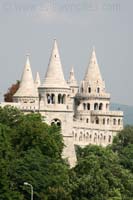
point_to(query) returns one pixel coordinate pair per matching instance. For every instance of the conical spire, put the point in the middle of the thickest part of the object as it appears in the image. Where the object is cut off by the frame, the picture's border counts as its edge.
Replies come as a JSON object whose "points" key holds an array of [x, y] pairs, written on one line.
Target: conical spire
{"points": [[37, 80], [27, 87], [93, 72], [72, 80], [54, 76]]}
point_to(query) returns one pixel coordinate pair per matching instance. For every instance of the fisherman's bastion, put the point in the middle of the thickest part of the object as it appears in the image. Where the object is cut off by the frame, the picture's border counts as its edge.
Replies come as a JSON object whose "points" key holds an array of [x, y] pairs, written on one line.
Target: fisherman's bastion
{"points": [[82, 111]]}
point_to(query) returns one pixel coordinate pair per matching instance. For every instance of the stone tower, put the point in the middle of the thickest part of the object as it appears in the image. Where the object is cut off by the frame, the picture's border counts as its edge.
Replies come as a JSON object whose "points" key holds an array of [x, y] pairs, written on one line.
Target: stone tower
{"points": [[27, 94], [94, 123], [56, 104]]}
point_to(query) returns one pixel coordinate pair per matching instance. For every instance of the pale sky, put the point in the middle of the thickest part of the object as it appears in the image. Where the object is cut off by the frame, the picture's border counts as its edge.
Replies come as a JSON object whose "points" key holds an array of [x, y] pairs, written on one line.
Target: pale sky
{"points": [[78, 25]]}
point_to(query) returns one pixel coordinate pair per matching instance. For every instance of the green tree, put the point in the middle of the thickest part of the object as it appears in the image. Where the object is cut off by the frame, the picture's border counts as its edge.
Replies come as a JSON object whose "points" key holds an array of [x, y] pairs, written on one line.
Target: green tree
{"points": [[123, 146], [31, 151], [6, 157], [10, 116], [99, 176]]}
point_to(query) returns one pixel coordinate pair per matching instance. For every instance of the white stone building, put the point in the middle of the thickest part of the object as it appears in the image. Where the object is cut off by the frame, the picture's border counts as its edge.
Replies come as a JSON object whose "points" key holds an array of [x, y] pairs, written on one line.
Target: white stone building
{"points": [[82, 111]]}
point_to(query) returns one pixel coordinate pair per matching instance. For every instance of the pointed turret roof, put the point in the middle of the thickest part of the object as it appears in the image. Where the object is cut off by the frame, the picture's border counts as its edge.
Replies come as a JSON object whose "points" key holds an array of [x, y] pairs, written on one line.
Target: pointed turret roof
{"points": [[72, 80], [27, 87], [54, 76], [93, 72], [37, 80]]}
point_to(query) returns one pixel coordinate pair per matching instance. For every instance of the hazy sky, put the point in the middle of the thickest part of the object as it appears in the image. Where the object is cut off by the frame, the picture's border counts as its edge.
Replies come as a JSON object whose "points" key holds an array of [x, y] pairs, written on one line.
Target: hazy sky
{"points": [[31, 26]]}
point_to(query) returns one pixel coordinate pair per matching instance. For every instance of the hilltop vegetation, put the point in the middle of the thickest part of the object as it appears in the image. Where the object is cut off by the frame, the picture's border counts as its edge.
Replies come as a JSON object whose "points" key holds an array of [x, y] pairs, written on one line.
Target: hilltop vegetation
{"points": [[31, 151]]}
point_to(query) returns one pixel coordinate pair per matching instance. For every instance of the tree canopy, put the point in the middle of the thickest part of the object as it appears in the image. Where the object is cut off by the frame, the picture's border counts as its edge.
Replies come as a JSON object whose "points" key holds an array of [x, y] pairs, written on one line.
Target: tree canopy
{"points": [[31, 151]]}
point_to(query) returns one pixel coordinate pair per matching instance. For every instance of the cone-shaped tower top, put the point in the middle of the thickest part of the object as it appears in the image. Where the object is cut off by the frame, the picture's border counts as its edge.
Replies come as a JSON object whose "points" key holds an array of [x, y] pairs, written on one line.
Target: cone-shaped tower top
{"points": [[93, 72], [27, 87], [72, 80], [54, 77], [37, 80]]}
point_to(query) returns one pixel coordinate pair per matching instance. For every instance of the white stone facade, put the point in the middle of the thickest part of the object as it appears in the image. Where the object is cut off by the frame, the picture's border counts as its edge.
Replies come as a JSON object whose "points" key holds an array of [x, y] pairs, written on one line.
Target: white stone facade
{"points": [[81, 111]]}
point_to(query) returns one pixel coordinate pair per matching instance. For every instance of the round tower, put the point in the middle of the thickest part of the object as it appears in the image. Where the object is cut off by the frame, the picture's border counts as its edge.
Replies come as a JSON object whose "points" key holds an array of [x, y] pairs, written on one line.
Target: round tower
{"points": [[92, 95], [55, 102], [27, 94]]}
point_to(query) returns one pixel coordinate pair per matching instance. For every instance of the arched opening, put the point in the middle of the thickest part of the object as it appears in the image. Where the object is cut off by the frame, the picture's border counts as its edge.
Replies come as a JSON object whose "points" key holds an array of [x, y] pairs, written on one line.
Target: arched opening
{"points": [[88, 106], [63, 99], [59, 99], [109, 139], [100, 106], [87, 120], [104, 121], [56, 122], [119, 121], [97, 120], [48, 98], [114, 121], [81, 136], [89, 89], [96, 106], [84, 106], [75, 136], [52, 98], [108, 121], [98, 90], [87, 136], [95, 137]]}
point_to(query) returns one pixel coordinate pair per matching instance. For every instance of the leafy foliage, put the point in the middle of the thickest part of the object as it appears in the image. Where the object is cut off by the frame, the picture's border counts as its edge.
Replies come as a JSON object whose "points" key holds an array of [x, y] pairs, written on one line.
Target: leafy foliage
{"points": [[123, 146], [99, 176], [30, 151]]}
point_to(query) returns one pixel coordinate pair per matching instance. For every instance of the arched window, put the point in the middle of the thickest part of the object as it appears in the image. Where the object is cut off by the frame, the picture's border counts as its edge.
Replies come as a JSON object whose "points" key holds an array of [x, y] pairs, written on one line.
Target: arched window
{"points": [[75, 136], [81, 136], [87, 120], [108, 121], [114, 121], [52, 98], [98, 90], [63, 99], [84, 106], [104, 121], [48, 98], [104, 137], [88, 106], [97, 120], [87, 136], [100, 106], [109, 139], [119, 121], [56, 122], [96, 106], [89, 89], [59, 99], [95, 137]]}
